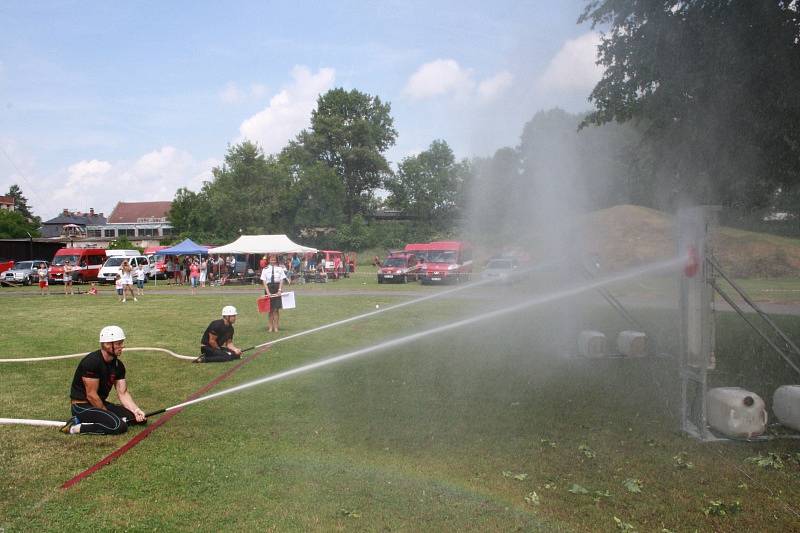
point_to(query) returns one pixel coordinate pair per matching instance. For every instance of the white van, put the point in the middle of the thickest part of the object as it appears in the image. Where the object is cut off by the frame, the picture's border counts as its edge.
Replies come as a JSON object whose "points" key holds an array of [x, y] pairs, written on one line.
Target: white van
{"points": [[112, 265], [126, 253]]}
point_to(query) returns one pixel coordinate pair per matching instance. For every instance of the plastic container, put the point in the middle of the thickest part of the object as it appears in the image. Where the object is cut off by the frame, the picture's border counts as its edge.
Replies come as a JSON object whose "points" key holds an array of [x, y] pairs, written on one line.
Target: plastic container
{"points": [[632, 343], [591, 344], [736, 412], [786, 406]]}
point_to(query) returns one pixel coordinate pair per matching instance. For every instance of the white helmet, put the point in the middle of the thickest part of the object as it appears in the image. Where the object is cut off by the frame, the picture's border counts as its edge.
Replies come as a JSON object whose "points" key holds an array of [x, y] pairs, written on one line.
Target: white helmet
{"points": [[111, 334], [229, 310]]}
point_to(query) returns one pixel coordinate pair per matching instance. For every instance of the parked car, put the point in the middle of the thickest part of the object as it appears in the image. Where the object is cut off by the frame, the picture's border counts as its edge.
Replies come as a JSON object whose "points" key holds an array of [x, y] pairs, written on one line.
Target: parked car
{"points": [[399, 267], [24, 272], [500, 269]]}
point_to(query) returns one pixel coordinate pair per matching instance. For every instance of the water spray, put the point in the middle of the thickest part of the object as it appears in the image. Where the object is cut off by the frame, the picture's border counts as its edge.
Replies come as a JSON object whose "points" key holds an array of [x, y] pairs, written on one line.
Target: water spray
{"points": [[566, 293]]}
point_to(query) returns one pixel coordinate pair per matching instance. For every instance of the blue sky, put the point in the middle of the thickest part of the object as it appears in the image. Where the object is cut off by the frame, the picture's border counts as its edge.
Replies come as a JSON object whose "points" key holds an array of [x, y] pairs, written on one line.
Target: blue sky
{"points": [[109, 101]]}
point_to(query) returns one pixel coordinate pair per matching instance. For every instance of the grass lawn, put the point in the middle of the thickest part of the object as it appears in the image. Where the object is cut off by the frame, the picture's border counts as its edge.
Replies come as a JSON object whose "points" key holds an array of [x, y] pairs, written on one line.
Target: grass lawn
{"points": [[489, 428]]}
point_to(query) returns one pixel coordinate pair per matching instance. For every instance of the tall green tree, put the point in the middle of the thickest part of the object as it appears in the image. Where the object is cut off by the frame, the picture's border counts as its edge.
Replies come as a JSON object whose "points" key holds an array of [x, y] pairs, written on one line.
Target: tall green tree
{"points": [[21, 205], [350, 132], [715, 84], [13, 225], [429, 185], [249, 193]]}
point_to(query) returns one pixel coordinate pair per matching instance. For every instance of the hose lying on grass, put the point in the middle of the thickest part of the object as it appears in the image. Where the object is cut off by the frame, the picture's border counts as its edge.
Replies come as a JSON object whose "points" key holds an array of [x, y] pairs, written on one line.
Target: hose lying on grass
{"points": [[82, 354]]}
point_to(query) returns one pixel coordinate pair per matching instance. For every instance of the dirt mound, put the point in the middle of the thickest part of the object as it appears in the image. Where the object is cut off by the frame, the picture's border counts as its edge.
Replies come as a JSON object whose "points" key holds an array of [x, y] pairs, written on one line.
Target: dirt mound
{"points": [[627, 235]]}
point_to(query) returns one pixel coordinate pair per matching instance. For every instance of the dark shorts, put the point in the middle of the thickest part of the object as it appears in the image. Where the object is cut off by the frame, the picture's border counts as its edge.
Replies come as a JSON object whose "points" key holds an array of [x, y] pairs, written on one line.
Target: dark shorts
{"points": [[114, 421]]}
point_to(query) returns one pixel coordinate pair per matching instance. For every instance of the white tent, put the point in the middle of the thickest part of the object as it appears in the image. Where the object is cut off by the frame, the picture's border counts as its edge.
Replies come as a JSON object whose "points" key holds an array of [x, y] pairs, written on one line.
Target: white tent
{"points": [[262, 244]]}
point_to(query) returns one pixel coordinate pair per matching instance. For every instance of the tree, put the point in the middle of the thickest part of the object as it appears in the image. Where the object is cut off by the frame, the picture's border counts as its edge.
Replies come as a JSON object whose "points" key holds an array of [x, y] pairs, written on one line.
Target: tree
{"points": [[715, 84], [350, 131], [429, 185], [13, 225], [21, 205], [249, 193]]}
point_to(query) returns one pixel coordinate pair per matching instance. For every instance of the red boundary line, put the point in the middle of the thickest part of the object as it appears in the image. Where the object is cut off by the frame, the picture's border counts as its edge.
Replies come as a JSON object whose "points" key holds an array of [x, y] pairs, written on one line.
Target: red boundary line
{"points": [[107, 460]]}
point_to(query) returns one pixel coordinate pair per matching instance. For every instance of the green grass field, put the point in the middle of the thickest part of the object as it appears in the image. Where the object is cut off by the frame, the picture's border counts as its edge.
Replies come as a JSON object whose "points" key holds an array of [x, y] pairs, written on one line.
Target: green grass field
{"points": [[488, 428]]}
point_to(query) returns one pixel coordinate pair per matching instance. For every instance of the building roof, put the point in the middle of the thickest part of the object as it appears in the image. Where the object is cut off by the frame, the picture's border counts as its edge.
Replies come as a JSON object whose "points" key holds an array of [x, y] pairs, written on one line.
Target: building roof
{"points": [[7, 200], [132, 212], [81, 219]]}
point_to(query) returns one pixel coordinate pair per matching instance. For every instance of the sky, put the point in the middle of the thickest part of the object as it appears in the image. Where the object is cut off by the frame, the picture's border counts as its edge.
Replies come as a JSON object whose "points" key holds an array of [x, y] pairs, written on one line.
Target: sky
{"points": [[102, 102]]}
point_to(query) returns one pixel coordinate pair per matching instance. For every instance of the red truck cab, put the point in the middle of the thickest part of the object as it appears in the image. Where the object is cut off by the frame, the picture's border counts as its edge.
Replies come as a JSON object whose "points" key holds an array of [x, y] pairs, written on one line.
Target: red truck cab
{"points": [[399, 267], [446, 262], [87, 263]]}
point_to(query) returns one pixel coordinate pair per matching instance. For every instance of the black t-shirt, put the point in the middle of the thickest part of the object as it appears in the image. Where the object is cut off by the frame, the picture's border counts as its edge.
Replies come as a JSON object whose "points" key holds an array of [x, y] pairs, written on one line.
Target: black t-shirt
{"points": [[223, 332], [94, 366]]}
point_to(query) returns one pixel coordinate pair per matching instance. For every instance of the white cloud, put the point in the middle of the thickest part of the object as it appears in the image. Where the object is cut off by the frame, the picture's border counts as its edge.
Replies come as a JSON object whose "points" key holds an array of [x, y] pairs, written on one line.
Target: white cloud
{"points": [[573, 67], [289, 111], [438, 78], [155, 176], [492, 87], [233, 94]]}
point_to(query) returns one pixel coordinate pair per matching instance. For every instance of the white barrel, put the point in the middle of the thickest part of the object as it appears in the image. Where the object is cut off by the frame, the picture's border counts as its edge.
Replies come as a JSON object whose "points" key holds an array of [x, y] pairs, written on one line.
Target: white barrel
{"points": [[632, 343], [736, 412], [786, 406], [591, 344]]}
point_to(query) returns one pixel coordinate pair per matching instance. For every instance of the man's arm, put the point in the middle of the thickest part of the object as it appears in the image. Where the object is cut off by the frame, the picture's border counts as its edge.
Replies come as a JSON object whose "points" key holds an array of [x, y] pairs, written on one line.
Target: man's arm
{"points": [[127, 401], [92, 385], [212, 340]]}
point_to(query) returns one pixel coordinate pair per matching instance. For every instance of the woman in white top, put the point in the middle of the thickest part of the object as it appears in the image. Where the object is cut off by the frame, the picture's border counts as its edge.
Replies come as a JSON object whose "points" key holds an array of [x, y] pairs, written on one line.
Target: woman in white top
{"points": [[273, 277], [203, 271], [126, 274]]}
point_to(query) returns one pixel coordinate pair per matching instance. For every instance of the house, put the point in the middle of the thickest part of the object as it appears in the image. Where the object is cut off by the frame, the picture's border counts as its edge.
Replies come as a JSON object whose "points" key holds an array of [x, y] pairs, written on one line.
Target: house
{"points": [[71, 224], [7, 203], [143, 223]]}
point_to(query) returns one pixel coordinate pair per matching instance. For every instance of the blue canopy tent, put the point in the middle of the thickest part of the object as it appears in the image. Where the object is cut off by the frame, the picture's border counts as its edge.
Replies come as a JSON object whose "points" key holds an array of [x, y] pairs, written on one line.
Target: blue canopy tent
{"points": [[187, 247]]}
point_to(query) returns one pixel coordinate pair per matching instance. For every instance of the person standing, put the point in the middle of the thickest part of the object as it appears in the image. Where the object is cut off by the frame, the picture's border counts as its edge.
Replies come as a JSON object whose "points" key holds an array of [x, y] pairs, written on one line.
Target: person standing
{"points": [[140, 276], [44, 287], [217, 346], [194, 275], [203, 271], [272, 277], [94, 378], [68, 270], [126, 274], [119, 287]]}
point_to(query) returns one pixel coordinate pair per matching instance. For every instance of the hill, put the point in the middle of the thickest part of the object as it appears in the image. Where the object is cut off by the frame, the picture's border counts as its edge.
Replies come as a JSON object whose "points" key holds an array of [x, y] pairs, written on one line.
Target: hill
{"points": [[628, 235]]}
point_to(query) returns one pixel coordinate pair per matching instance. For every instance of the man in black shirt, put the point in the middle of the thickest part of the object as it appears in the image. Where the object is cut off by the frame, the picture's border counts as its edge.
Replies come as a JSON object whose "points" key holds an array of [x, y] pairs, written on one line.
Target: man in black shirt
{"points": [[96, 374], [217, 345]]}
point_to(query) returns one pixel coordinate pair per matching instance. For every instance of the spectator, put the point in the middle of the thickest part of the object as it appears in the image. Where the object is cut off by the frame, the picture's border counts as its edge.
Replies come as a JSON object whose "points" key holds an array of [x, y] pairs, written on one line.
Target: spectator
{"points": [[126, 273], [118, 286], [68, 270], [44, 287], [194, 275], [203, 271], [140, 276]]}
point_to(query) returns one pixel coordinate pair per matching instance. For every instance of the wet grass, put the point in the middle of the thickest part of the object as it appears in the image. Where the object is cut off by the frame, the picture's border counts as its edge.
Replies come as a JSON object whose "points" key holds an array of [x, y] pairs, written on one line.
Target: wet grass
{"points": [[452, 432]]}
